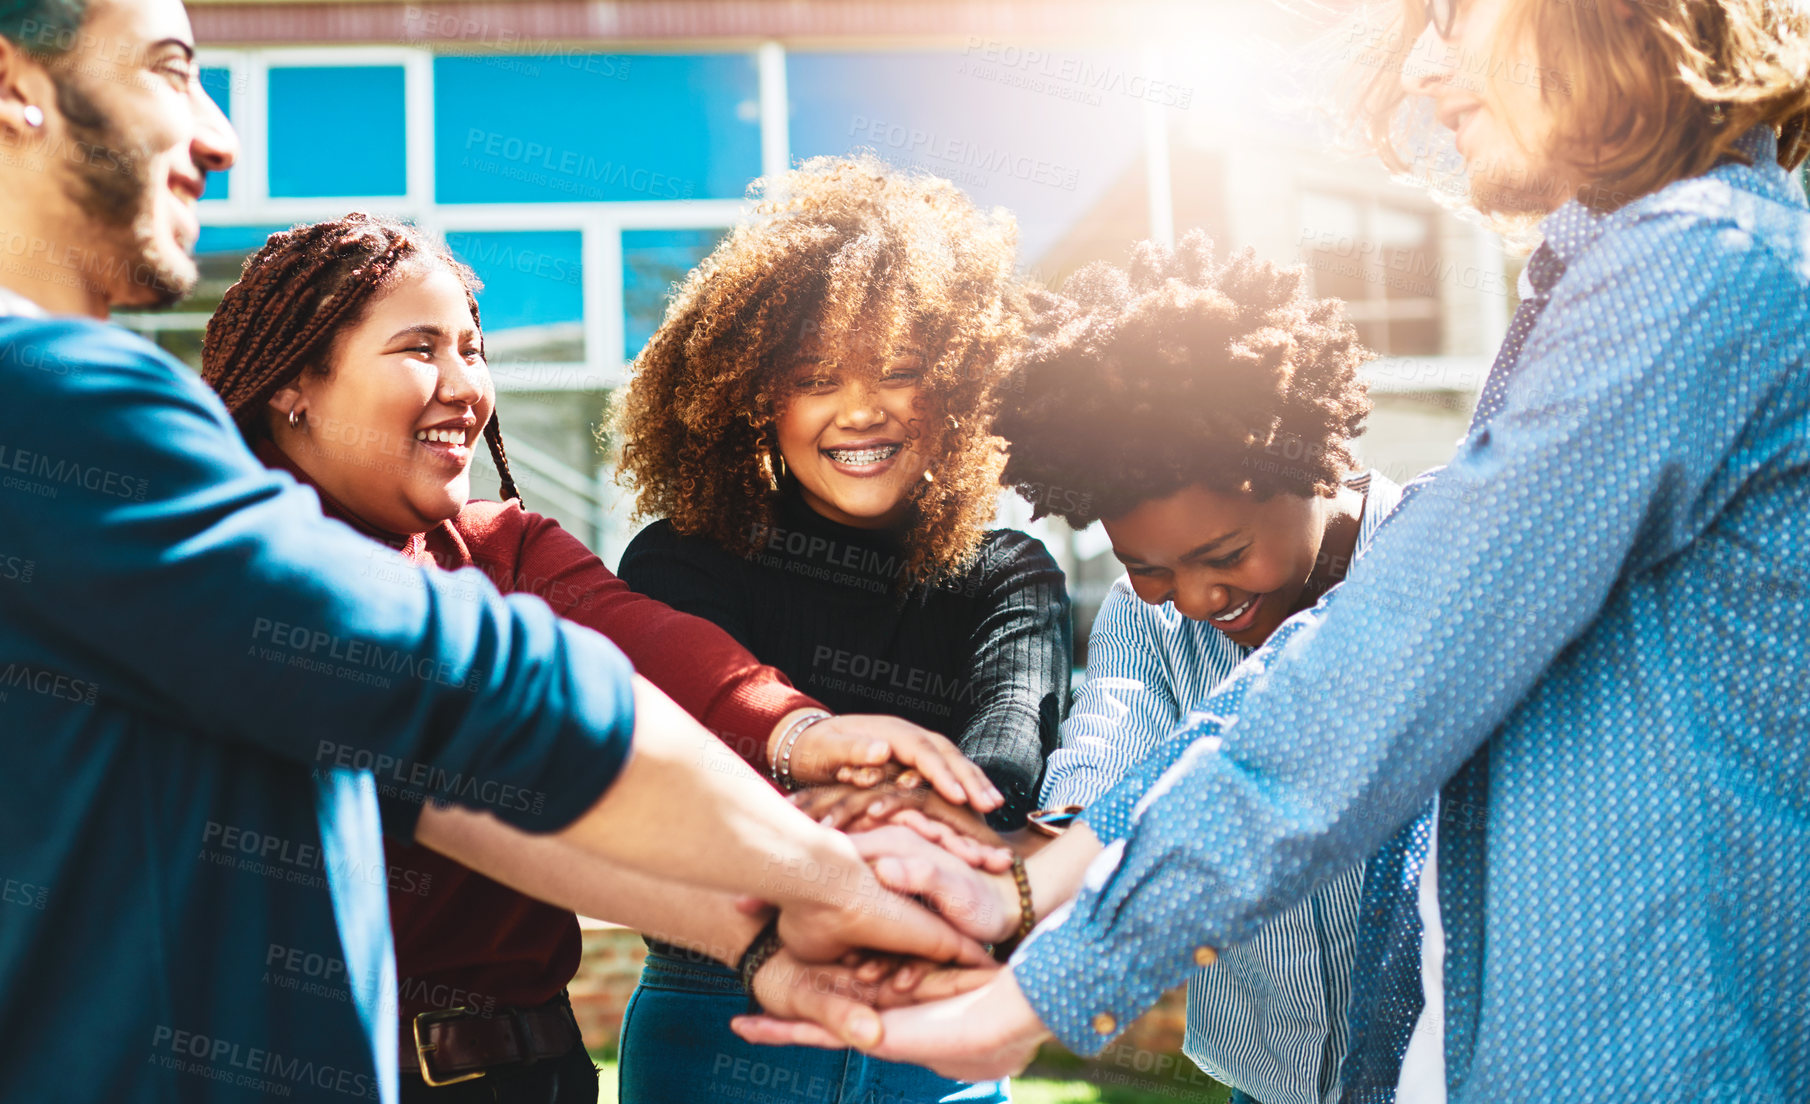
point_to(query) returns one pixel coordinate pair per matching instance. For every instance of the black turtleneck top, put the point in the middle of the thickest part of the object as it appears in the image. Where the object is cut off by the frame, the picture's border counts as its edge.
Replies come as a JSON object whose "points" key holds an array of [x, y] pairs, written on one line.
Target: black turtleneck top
{"points": [[984, 660]]}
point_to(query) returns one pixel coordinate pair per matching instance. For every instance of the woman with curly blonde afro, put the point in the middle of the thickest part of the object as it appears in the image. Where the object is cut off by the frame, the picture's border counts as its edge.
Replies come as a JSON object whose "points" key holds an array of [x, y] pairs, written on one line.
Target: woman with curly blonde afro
{"points": [[810, 424]]}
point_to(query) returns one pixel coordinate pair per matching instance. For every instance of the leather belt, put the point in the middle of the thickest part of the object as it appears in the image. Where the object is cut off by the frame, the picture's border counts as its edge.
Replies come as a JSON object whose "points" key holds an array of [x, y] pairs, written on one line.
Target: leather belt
{"points": [[452, 1045]]}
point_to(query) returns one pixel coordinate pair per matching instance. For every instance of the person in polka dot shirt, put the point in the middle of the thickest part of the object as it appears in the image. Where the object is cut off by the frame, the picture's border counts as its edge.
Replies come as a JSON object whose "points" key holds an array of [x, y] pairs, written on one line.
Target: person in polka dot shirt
{"points": [[1587, 636]]}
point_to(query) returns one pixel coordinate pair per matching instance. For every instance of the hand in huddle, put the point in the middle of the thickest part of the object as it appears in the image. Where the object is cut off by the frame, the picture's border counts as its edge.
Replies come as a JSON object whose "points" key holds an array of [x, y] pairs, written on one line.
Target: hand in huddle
{"points": [[841, 1000], [865, 750], [984, 1032], [955, 828]]}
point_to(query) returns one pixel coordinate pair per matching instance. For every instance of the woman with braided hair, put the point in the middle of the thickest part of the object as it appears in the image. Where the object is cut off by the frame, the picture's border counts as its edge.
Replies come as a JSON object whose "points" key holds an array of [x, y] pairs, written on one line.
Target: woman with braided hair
{"points": [[350, 355]]}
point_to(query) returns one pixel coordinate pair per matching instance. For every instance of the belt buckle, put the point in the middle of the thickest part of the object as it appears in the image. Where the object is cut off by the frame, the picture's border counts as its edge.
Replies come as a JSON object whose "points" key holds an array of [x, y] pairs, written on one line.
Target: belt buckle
{"points": [[422, 1046]]}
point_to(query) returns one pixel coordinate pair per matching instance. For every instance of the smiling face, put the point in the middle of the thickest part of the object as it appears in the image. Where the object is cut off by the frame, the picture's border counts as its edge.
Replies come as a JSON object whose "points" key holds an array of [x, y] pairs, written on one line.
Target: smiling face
{"points": [[127, 140], [847, 429], [1486, 86], [1237, 563], [390, 430]]}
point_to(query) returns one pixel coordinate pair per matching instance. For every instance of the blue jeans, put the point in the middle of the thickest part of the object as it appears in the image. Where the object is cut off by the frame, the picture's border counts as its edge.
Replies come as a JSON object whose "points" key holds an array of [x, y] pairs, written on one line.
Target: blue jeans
{"points": [[677, 1049]]}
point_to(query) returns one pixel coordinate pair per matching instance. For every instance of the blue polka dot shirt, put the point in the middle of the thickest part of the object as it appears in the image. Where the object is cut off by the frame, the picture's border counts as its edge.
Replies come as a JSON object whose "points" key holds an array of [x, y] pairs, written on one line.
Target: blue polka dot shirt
{"points": [[1601, 606]]}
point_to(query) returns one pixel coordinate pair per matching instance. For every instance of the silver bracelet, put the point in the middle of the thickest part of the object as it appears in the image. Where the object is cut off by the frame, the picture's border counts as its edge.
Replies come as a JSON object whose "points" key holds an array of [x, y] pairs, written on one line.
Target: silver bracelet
{"points": [[782, 762]]}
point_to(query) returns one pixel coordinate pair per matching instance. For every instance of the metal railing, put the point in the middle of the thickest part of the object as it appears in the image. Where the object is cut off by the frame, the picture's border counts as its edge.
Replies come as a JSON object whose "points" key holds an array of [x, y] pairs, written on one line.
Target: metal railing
{"points": [[582, 503]]}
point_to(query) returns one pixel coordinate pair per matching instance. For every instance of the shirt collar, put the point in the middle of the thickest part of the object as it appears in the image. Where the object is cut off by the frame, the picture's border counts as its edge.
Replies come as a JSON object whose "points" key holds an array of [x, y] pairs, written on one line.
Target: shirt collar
{"points": [[1567, 233], [1759, 144], [1574, 227], [14, 305]]}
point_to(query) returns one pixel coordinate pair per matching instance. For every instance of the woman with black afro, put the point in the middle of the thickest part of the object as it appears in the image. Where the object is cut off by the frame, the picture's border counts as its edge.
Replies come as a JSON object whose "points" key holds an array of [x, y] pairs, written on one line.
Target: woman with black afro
{"points": [[1203, 411]]}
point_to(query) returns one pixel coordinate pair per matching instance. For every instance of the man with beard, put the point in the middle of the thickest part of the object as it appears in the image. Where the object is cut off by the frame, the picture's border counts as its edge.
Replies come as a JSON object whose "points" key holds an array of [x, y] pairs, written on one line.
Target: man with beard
{"points": [[200, 677]]}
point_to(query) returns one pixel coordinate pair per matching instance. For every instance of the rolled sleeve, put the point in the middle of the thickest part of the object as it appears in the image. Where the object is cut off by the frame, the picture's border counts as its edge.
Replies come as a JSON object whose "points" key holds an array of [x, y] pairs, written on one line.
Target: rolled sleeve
{"points": [[1634, 386]]}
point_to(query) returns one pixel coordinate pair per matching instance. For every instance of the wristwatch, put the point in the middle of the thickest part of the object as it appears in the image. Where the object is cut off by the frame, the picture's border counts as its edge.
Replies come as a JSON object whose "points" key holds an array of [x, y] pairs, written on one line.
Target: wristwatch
{"points": [[1052, 822]]}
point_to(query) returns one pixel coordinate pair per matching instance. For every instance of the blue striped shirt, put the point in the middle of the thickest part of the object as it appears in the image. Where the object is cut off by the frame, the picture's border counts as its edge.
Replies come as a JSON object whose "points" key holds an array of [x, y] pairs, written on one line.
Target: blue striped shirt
{"points": [[1269, 1016]]}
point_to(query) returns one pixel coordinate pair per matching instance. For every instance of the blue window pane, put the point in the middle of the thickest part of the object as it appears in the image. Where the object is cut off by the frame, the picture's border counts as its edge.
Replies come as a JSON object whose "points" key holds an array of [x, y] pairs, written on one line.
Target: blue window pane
{"points": [[533, 297], [652, 262], [217, 82], [1055, 138], [234, 240], [337, 131], [595, 127]]}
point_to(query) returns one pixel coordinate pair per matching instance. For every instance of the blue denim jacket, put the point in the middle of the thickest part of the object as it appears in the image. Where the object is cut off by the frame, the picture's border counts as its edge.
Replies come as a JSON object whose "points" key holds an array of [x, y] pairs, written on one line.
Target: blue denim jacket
{"points": [[202, 681]]}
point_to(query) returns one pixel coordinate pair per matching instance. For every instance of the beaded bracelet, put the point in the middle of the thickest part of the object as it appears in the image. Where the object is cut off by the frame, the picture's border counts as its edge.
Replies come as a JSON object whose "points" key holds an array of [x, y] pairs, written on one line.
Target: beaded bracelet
{"points": [[782, 761], [1027, 913]]}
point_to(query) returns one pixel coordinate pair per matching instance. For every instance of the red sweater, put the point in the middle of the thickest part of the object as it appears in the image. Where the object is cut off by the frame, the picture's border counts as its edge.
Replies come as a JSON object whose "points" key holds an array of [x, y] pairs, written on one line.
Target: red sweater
{"points": [[461, 938]]}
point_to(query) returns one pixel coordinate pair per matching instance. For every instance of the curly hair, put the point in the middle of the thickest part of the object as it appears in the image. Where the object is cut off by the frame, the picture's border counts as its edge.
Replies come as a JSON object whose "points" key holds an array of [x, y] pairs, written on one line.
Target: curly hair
{"points": [[303, 288], [1181, 371], [836, 246]]}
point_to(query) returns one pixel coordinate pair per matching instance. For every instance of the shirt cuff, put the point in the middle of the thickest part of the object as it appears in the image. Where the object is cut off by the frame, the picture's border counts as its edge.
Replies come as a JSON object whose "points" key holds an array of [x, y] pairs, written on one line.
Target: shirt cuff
{"points": [[554, 769], [1088, 983], [1110, 816], [591, 747]]}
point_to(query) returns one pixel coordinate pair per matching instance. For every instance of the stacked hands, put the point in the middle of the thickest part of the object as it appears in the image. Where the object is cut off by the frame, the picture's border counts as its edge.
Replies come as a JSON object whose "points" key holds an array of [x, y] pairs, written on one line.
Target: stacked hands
{"points": [[887, 955]]}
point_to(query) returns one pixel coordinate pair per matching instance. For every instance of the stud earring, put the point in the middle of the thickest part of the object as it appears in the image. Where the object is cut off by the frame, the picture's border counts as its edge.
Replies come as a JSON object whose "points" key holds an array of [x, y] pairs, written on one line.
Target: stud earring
{"points": [[34, 116]]}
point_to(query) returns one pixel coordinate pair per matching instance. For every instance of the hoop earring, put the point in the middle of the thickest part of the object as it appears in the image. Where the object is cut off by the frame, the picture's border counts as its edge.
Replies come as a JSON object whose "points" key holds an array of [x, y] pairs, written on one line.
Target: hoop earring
{"points": [[774, 460], [296, 421]]}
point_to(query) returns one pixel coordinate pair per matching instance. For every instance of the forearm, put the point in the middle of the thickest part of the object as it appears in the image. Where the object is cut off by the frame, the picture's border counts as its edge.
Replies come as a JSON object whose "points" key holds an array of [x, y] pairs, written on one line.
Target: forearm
{"points": [[554, 870], [424, 677], [1056, 869], [693, 661], [685, 809]]}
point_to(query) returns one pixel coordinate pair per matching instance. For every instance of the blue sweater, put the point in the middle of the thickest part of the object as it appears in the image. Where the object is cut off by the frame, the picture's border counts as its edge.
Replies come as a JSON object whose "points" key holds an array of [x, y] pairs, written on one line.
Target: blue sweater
{"points": [[202, 682]]}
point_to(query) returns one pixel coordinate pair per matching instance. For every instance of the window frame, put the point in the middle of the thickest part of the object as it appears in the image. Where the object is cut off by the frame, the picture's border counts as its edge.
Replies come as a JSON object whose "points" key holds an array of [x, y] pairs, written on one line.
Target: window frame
{"points": [[600, 223]]}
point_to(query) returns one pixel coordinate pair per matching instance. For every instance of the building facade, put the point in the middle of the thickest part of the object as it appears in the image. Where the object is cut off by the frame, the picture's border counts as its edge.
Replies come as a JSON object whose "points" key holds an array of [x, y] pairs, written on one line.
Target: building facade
{"points": [[582, 156]]}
